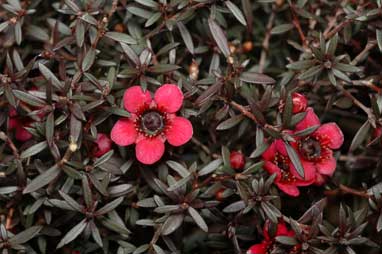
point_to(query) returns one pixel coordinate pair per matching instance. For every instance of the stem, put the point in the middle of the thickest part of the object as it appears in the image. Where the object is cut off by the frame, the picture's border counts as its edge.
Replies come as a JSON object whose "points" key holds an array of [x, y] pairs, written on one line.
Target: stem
{"points": [[265, 44]]}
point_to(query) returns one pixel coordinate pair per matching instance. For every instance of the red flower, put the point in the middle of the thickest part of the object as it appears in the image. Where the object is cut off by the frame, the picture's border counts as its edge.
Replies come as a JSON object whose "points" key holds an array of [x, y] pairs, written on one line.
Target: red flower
{"points": [[317, 147], [237, 160], [299, 101], [103, 145], [276, 161], [267, 244], [152, 122], [17, 123]]}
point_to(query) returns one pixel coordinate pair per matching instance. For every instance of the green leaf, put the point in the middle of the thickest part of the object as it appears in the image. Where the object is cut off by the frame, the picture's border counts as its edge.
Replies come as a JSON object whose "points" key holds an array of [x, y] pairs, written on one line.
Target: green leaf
{"points": [[43, 179], [130, 53], [35, 149], [109, 207], [154, 18], [49, 128], [198, 219], [104, 158], [186, 36], [25, 236], [219, 37], [164, 68], [293, 156], [179, 168], [346, 67], [256, 78], [282, 28], [139, 12], [71, 202], [315, 70], [210, 167], [172, 223], [378, 35], [236, 12], [360, 136], [49, 76], [230, 122], [148, 3], [235, 207], [88, 60], [87, 193], [73, 233], [95, 233], [120, 37], [300, 65], [4, 25], [339, 74], [28, 98]]}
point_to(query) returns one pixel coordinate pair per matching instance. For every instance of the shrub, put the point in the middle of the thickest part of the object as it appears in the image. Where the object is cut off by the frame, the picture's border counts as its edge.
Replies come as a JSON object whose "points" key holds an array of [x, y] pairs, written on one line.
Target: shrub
{"points": [[190, 126]]}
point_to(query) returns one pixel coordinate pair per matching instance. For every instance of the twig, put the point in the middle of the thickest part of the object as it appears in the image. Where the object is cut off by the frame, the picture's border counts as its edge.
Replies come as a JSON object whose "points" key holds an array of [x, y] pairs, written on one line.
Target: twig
{"points": [[338, 28], [265, 44], [296, 23], [6, 139], [342, 190], [369, 46], [8, 223], [205, 148]]}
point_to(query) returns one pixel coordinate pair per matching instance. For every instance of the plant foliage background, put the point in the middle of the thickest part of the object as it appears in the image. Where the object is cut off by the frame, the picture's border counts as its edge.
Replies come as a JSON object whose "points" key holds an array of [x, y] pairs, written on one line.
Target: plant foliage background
{"points": [[65, 65]]}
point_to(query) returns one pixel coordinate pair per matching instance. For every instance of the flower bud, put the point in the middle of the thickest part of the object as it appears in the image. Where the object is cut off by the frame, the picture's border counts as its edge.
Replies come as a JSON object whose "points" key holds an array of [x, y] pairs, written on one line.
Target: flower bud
{"points": [[103, 145], [237, 160], [299, 103], [247, 46]]}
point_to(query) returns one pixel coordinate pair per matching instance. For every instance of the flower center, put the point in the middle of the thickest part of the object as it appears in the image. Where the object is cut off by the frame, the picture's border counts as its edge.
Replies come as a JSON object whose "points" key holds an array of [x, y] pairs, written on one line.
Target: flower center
{"points": [[283, 163], [152, 122], [310, 148]]}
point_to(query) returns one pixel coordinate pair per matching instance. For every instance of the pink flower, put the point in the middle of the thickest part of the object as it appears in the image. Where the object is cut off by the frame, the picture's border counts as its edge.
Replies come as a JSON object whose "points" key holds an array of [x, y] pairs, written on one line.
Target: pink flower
{"points": [[152, 122], [267, 244], [299, 101], [18, 124], [276, 161], [103, 145], [317, 148]]}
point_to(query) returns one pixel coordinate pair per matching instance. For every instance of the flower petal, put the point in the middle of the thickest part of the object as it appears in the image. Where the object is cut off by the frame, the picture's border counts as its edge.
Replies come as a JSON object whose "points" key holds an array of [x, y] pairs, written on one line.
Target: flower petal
{"points": [[271, 168], [123, 132], [320, 179], [169, 98], [291, 190], [13, 123], [134, 98], [21, 134], [180, 131], [310, 119], [149, 150], [260, 248], [309, 172], [270, 152], [331, 133], [327, 167]]}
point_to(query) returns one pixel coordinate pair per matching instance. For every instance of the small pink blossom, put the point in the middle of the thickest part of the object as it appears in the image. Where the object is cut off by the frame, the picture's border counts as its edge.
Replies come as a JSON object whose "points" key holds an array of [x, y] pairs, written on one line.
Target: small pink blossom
{"points": [[152, 122]]}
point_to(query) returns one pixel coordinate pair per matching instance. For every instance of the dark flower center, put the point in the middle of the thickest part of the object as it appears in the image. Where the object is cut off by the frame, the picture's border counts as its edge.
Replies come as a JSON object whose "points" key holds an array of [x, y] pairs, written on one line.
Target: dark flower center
{"points": [[310, 148], [283, 163], [152, 122]]}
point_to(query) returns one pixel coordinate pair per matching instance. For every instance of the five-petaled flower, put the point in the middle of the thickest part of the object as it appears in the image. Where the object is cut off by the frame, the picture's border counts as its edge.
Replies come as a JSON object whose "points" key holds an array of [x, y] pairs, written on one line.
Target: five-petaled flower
{"points": [[152, 121], [316, 149], [277, 161], [268, 244]]}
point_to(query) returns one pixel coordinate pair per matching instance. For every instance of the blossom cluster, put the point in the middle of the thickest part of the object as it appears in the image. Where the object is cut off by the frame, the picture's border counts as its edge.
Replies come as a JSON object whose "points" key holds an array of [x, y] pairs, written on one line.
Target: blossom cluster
{"points": [[314, 149]]}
